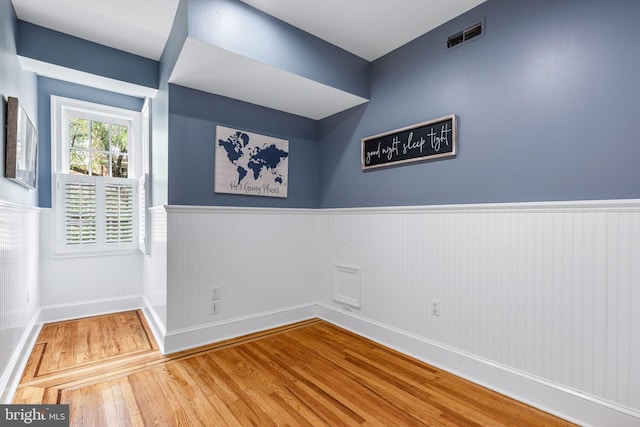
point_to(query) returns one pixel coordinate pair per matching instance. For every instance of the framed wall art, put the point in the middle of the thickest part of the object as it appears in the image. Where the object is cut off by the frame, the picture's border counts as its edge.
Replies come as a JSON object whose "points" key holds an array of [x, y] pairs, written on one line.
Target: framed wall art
{"points": [[250, 164], [429, 140], [21, 151]]}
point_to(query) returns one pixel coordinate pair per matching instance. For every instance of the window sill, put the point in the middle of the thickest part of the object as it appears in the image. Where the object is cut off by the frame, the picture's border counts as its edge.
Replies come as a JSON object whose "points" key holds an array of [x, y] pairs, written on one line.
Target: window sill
{"points": [[59, 254]]}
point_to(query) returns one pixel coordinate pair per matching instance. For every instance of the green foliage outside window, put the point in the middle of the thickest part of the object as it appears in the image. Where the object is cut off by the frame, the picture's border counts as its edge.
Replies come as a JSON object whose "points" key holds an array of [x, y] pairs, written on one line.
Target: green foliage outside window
{"points": [[98, 148]]}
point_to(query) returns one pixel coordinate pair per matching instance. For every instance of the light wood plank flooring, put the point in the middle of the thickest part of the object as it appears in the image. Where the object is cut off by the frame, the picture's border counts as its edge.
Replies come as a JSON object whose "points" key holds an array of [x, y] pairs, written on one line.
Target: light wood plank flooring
{"points": [[110, 372]]}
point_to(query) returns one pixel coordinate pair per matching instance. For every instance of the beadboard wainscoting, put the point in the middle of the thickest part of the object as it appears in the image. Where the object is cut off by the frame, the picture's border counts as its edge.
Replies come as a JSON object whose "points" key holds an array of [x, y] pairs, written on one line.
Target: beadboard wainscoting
{"points": [[548, 290], [19, 292], [536, 300], [265, 263], [79, 286]]}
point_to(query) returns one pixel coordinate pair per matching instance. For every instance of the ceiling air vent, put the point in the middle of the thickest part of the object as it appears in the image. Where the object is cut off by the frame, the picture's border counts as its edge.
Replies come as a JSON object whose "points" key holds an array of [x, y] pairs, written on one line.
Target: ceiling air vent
{"points": [[465, 35]]}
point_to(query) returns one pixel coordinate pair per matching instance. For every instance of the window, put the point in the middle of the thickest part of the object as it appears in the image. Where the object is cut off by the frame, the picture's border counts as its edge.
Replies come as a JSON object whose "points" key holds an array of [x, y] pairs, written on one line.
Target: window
{"points": [[98, 148], [99, 185]]}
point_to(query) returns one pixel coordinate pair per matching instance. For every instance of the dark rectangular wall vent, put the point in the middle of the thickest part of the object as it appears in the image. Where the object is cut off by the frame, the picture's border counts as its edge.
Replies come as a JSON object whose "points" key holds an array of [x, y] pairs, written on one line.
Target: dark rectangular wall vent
{"points": [[467, 34]]}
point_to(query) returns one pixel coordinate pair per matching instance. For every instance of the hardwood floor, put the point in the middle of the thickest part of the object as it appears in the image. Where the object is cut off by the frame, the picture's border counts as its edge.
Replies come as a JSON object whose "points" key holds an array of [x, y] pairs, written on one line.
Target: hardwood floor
{"points": [[110, 372]]}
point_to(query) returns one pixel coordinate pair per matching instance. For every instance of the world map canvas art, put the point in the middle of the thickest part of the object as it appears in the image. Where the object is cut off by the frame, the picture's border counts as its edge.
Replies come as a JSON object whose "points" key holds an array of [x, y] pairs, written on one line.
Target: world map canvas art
{"points": [[250, 164]]}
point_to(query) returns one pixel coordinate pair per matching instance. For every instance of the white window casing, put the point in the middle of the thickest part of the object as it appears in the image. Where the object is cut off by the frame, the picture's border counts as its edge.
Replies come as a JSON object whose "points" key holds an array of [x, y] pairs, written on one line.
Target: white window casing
{"points": [[96, 214]]}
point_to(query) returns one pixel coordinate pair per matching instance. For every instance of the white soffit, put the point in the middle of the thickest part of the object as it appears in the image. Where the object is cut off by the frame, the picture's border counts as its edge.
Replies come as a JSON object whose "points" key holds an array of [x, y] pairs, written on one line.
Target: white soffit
{"points": [[367, 28], [214, 70], [58, 72], [140, 27]]}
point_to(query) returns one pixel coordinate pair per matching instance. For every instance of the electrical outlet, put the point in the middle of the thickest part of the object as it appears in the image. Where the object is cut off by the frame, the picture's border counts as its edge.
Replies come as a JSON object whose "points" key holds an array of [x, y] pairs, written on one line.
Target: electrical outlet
{"points": [[215, 306], [215, 294], [435, 308]]}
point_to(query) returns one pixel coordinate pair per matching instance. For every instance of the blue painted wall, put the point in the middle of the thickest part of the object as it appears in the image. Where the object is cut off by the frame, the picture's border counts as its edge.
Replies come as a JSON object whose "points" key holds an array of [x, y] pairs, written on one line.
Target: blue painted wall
{"points": [[64, 50], [18, 83], [193, 116], [48, 87], [547, 103]]}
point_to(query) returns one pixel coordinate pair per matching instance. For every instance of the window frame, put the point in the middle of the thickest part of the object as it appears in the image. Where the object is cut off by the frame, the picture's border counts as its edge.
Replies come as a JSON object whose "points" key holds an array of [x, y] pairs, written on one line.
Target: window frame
{"points": [[62, 110]]}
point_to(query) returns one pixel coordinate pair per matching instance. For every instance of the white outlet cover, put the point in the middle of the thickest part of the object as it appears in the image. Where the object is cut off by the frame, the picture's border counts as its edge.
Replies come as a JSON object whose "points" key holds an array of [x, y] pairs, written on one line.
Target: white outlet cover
{"points": [[435, 308]]}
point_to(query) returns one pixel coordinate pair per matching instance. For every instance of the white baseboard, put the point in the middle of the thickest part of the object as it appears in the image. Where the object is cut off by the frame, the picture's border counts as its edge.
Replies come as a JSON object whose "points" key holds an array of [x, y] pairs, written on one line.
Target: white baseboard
{"points": [[576, 407], [155, 324], [213, 332], [571, 405], [12, 373], [57, 313]]}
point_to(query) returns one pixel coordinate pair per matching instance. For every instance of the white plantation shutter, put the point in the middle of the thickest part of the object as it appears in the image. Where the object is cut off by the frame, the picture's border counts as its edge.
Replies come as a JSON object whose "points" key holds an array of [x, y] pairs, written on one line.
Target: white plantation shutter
{"points": [[142, 212], [100, 213], [119, 213], [80, 213]]}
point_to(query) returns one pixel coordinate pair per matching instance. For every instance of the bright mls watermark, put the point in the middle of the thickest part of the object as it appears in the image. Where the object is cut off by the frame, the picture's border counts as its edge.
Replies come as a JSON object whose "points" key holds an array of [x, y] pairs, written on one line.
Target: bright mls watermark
{"points": [[34, 415]]}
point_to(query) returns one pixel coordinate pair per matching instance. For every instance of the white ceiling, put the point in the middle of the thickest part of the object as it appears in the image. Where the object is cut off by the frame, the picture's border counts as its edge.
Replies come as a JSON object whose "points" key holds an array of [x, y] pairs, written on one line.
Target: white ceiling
{"points": [[366, 28]]}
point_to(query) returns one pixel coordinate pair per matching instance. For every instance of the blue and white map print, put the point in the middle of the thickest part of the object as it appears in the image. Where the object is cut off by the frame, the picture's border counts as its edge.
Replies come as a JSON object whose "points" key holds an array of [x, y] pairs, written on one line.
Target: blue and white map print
{"points": [[251, 164]]}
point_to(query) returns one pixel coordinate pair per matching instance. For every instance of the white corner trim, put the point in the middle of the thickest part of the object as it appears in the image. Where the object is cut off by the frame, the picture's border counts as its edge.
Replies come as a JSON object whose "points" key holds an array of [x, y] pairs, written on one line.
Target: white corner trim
{"points": [[155, 324], [13, 371], [569, 404], [158, 209]]}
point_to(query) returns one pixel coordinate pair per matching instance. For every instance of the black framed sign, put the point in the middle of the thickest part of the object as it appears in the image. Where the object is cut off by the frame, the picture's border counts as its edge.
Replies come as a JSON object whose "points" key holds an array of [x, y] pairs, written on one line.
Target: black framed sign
{"points": [[424, 141]]}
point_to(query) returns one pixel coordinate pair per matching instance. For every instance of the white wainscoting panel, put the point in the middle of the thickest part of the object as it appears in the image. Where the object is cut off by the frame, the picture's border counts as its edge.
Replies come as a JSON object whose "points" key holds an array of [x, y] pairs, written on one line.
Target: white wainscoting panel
{"points": [[545, 292], [92, 280], [551, 290], [19, 291], [262, 260]]}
